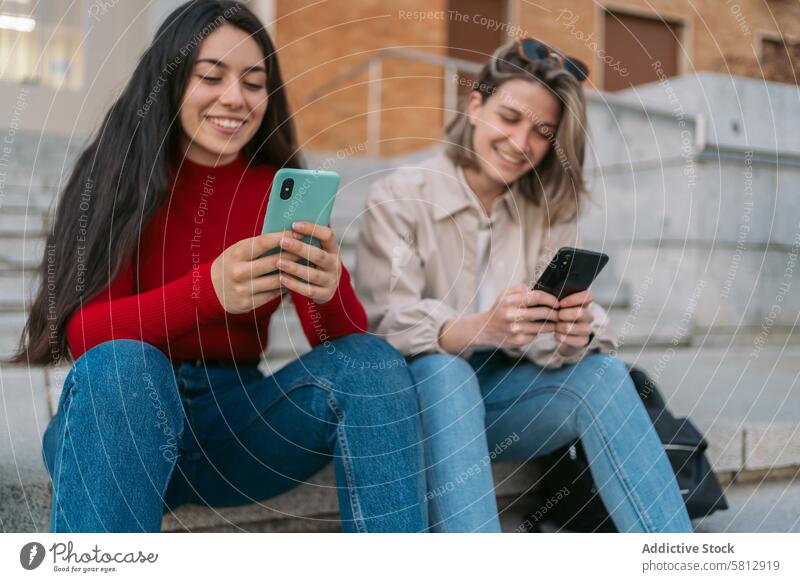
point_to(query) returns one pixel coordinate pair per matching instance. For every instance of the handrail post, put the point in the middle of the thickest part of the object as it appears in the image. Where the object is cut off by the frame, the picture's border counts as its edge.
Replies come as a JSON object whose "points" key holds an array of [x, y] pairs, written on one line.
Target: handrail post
{"points": [[374, 105]]}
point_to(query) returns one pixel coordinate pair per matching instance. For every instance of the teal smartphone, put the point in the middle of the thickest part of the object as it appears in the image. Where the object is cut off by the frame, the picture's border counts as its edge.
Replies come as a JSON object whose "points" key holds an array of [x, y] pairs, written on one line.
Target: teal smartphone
{"points": [[300, 195]]}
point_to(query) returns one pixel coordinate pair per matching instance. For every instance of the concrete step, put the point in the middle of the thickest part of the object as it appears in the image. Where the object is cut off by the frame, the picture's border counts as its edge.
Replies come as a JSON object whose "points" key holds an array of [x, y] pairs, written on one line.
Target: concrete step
{"points": [[17, 287], [18, 222], [21, 253], [754, 506], [645, 326], [313, 506], [11, 325], [745, 400], [24, 482], [32, 199], [760, 506]]}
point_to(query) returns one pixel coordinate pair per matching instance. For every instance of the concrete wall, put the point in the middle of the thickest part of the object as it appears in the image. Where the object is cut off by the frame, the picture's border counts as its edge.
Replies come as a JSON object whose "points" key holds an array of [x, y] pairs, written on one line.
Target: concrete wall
{"points": [[112, 41], [701, 218]]}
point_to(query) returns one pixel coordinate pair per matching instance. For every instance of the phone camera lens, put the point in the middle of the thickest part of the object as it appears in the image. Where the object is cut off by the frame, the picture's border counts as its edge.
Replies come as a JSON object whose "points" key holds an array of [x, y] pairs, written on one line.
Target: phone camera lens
{"points": [[286, 189]]}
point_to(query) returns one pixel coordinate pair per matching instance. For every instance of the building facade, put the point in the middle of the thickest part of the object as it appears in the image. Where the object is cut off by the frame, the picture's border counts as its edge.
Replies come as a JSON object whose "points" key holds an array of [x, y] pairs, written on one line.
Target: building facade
{"points": [[375, 75]]}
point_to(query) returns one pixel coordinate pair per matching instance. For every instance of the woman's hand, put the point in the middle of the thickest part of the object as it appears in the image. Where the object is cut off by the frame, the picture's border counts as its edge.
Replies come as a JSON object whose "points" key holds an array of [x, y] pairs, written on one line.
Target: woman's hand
{"points": [[574, 326], [516, 318], [238, 273], [319, 280]]}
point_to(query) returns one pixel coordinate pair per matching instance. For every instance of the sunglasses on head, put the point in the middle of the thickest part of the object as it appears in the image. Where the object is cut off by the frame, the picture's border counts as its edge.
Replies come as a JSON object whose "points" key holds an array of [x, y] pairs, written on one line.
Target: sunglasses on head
{"points": [[532, 50]]}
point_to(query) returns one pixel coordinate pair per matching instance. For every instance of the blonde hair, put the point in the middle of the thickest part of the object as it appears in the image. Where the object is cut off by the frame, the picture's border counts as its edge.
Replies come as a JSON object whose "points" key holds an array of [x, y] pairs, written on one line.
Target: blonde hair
{"points": [[557, 182]]}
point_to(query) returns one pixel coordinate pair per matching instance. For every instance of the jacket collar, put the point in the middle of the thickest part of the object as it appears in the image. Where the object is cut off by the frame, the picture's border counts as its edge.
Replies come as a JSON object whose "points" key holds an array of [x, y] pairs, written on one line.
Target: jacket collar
{"points": [[452, 194]]}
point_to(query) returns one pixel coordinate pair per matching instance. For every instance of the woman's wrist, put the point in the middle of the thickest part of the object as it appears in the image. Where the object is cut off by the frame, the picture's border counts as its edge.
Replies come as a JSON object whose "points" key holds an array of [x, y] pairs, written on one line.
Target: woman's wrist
{"points": [[479, 325], [462, 334]]}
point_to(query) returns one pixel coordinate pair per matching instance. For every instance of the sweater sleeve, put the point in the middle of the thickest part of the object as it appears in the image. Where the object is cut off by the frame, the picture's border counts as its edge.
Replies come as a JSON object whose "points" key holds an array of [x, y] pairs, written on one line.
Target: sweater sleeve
{"points": [[151, 317], [342, 315]]}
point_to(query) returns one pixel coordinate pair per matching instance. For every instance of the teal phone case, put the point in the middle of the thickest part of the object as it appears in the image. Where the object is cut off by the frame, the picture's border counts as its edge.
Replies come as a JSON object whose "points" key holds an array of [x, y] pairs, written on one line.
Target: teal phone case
{"points": [[311, 200]]}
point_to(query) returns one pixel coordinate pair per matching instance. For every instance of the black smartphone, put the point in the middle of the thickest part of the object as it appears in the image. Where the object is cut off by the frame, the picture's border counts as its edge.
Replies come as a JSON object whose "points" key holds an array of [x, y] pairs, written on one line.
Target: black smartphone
{"points": [[571, 271]]}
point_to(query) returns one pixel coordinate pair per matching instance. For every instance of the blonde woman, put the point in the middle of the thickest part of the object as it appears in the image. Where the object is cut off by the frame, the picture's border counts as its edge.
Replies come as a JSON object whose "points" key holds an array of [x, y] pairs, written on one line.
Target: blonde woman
{"points": [[447, 253]]}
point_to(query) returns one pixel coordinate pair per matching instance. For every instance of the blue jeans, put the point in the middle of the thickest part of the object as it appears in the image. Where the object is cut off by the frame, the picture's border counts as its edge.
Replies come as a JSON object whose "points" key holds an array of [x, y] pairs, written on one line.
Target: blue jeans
{"points": [[494, 407], [134, 436]]}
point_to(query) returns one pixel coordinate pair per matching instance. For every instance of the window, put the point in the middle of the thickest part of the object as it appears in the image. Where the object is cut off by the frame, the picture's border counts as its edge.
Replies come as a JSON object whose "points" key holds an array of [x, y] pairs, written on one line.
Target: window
{"points": [[39, 41], [636, 43], [780, 59], [475, 28]]}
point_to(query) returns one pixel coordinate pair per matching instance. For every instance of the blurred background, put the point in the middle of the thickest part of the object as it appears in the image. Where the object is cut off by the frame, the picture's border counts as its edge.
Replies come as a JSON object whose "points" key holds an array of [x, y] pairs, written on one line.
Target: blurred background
{"points": [[693, 165]]}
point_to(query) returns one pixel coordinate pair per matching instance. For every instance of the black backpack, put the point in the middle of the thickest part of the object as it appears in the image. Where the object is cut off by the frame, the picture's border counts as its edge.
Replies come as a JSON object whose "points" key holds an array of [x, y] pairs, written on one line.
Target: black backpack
{"points": [[583, 510]]}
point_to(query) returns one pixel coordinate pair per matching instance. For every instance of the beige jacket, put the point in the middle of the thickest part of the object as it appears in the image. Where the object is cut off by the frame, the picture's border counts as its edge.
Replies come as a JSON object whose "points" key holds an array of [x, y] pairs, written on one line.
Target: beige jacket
{"points": [[416, 265]]}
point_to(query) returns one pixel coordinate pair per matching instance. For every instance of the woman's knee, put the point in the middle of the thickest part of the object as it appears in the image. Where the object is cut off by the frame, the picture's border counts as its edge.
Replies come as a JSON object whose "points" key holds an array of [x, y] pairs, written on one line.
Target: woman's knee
{"points": [[603, 369], [361, 354], [442, 371], [128, 377], [370, 370], [120, 357], [605, 381], [365, 351], [446, 385]]}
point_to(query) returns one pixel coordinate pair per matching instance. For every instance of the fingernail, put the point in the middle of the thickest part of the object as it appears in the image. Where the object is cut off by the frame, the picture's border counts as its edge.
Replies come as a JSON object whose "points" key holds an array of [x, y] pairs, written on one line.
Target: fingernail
{"points": [[298, 225], [285, 242], [281, 263]]}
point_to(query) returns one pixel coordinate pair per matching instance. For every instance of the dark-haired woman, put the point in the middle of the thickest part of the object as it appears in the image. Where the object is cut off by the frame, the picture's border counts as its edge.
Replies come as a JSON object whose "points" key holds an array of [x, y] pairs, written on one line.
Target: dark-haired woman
{"points": [[448, 252], [163, 301]]}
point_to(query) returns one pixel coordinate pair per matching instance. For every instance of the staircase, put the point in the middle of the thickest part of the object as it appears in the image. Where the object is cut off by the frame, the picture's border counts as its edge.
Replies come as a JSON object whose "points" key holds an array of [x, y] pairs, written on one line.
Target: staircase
{"points": [[22, 229]]}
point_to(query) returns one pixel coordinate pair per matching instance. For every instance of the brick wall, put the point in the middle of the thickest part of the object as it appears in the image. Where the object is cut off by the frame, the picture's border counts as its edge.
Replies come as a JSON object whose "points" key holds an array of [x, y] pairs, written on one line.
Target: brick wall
{"points": [[721, 36], [318, 42]]}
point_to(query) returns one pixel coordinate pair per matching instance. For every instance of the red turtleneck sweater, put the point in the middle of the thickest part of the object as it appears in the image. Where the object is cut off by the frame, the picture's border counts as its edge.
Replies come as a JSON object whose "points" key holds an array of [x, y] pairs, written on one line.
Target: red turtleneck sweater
{"points": [[164, 295]]}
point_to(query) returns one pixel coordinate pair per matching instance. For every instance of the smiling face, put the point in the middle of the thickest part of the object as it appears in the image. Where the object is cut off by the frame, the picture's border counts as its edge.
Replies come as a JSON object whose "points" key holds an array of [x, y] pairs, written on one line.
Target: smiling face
{"points": [[225, 98], [512, 129]]}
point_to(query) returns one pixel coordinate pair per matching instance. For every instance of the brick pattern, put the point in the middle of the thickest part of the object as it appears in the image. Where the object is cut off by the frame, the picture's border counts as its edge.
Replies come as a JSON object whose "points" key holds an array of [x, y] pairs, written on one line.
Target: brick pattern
{"points": [[317, 43]]}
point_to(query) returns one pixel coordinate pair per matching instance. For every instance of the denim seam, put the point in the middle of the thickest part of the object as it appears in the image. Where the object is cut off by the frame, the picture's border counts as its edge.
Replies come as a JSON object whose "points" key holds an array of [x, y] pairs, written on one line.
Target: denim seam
{"points": [[635, 501], [355, 505], [178, 439], [58, 462], [631, 491], [64, 440], [346, 460], [167, 483]]}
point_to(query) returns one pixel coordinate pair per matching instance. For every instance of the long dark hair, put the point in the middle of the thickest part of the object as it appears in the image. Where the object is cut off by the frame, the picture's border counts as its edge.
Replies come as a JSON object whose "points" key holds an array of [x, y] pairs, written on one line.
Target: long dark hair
{"points": [[122, 177]]}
